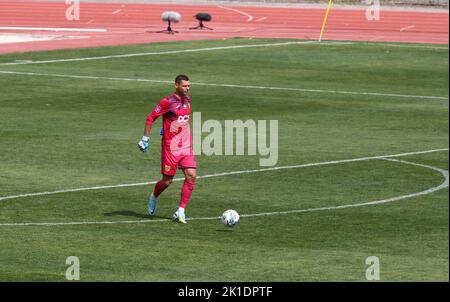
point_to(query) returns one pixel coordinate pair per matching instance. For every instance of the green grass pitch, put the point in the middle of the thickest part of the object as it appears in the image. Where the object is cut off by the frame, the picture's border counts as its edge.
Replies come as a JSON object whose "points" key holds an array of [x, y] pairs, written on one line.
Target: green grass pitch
{"points": [[61, 133]]}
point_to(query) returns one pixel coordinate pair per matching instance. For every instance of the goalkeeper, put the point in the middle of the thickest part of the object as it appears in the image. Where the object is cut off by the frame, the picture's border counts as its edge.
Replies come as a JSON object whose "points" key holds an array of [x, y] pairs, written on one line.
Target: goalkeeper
{"points": [[176, 145]]}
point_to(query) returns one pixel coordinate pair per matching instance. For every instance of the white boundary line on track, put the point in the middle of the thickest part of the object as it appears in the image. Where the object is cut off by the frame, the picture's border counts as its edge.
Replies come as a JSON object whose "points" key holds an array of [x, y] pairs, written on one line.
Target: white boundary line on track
{"points": [[407, 27], [55, 29], [250, 17], [443, 185], [228, 85], [405, 45]]}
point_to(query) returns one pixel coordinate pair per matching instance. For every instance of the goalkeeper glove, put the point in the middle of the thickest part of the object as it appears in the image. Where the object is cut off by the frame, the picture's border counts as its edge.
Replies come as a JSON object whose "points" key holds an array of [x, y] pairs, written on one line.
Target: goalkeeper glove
{"points": [[143, 144]]}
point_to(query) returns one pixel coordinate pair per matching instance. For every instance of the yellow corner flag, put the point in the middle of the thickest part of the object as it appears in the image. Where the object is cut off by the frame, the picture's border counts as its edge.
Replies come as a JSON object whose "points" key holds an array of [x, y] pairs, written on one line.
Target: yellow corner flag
{"points": [[325, 20]]}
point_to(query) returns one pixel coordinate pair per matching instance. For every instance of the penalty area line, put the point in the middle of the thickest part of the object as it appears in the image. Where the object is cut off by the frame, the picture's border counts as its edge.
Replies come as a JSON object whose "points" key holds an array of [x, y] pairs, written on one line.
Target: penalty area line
{"points": [[443, 185], [231, 47], [377, 94], [130, 55], [223, 174]]}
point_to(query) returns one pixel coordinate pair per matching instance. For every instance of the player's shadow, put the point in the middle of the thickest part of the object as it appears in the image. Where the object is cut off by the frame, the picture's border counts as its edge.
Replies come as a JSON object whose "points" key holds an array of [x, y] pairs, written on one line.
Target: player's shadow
{"points": [[135, 214]]}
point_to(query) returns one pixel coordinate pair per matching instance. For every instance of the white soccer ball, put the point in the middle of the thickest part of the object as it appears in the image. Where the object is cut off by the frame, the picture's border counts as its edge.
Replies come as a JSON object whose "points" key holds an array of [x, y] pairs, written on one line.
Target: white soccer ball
{"points": [[230, 218]]}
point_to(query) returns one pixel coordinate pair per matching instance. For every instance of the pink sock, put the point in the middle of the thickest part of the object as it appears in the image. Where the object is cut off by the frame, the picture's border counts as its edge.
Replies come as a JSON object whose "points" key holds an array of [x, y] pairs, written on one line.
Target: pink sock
{"points": [[159, 188], [186, 192]]}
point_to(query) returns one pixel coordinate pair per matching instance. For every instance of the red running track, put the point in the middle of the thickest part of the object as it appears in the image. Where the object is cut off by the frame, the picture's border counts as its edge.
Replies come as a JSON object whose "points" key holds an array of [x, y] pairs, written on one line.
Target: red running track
{"points": [[137, 24]]}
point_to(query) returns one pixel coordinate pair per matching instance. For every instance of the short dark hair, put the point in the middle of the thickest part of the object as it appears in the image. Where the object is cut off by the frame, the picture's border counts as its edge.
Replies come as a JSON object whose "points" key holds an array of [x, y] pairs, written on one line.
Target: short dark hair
{"points": [[181, 77]]}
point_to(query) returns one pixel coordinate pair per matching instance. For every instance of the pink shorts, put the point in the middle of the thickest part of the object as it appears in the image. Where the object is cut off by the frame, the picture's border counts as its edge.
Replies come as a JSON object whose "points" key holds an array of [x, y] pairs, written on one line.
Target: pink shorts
{"points": [[170, 162]]}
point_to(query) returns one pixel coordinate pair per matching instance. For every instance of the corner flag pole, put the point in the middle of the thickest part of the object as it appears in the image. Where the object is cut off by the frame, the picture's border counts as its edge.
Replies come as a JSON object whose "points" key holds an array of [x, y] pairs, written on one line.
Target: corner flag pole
{"points": [[325, 20]]}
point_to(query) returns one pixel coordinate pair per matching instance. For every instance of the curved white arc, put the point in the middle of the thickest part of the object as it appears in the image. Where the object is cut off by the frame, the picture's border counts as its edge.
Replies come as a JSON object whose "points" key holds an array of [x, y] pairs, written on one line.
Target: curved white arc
{"points": [[443, 185], [221, 174], [168, 52], [250, 17]]}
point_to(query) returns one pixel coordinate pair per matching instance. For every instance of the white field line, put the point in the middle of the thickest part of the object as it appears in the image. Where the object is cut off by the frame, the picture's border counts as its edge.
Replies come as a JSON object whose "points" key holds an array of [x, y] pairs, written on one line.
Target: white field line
{"points": [[250, 17], [332, 43], [54, 29], [443, 185], [328, 91], [379, 94], [130, 55], [225, 174]]}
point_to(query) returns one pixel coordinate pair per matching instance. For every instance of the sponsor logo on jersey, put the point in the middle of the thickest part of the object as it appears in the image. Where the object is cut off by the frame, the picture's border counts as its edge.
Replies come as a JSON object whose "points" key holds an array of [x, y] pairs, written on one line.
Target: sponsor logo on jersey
{"points": [[183, 118]]}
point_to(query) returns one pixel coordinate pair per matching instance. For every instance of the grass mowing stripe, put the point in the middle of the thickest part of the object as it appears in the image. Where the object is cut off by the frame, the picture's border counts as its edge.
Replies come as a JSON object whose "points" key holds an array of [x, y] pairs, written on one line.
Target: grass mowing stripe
{"points": [[81, 133], [229, 85]]}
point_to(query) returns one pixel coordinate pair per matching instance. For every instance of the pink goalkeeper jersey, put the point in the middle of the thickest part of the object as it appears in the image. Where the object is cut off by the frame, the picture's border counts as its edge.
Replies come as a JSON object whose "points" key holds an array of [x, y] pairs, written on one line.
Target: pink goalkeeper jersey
{"points": [[176, 113]]}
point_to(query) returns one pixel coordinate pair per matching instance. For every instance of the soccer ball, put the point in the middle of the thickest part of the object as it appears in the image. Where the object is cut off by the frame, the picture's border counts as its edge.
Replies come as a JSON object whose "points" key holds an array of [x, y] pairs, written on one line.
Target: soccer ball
{"points": [[230, 218]]}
